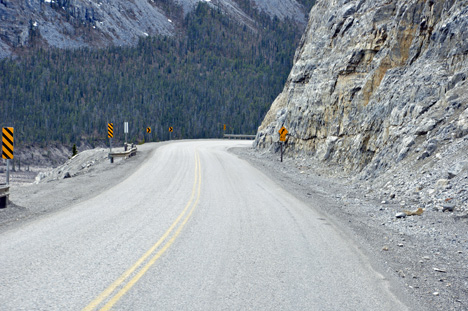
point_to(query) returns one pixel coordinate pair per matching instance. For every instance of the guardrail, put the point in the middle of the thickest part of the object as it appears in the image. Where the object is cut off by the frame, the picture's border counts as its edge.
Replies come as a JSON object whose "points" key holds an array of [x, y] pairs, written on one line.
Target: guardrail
{"points": [[4, 195], [237, 136], [125, 154]]}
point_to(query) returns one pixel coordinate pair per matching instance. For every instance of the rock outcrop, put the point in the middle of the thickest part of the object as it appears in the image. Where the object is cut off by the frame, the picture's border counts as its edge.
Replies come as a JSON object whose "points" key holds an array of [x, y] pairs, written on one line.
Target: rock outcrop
{"points": [[100, 23], [378, 87]]}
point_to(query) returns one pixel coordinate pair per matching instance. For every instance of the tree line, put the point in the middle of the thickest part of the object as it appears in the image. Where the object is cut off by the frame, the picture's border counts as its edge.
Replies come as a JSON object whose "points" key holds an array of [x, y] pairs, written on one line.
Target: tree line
{"points": [[215, 72]]}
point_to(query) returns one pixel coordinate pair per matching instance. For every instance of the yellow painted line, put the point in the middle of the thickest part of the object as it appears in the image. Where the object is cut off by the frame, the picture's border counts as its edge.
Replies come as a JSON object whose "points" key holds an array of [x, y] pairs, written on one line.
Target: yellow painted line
{"points": [[137, 277], [126, 274]]}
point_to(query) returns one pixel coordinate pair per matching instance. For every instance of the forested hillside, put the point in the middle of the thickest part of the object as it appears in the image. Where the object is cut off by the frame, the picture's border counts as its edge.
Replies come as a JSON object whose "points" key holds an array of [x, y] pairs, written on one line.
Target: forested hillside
{"points": [[214, 73]]}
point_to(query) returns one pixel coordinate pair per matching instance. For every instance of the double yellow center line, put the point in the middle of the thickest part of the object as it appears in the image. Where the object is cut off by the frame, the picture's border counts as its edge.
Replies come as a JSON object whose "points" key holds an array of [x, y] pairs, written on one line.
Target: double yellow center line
{"points": [[111, 295]]}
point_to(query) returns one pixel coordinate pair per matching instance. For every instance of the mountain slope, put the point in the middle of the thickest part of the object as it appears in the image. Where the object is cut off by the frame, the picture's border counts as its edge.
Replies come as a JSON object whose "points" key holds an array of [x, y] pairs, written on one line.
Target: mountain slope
{"points": [[213, 74], [100, 23], [379, 88]]}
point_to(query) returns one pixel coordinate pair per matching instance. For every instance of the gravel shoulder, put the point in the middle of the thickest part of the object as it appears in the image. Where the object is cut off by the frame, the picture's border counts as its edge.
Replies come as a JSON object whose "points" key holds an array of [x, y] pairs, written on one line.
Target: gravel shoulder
{"points": [[90, 173], [427, 254]]}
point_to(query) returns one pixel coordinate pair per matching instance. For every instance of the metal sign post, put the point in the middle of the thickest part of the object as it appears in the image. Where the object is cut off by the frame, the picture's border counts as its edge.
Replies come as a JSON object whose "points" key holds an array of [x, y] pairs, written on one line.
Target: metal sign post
{"points": [[282, 143], [8, 171]]}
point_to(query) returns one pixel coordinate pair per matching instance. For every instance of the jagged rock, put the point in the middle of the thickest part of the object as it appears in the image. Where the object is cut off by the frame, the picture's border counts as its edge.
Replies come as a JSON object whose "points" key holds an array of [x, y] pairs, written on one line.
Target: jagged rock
{"points": [[75, 166], [417, 212], [448, 207], [462, 124], [457, 168], [442, 184], [376, 84], [426, 126], [400, 215]]}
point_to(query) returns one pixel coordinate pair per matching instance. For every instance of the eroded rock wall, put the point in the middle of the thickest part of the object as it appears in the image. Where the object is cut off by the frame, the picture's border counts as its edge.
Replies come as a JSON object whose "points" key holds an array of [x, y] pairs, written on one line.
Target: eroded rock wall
{"points": [[375, 83]]}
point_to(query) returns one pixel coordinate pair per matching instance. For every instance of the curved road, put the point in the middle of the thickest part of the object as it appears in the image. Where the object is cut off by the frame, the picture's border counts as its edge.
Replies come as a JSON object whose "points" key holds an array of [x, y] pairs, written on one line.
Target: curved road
{"points": [[194, 228]]}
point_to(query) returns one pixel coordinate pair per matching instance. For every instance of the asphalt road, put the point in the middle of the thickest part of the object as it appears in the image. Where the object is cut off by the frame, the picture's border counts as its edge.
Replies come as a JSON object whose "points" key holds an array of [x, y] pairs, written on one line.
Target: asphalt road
{"points": [[194, 228]]}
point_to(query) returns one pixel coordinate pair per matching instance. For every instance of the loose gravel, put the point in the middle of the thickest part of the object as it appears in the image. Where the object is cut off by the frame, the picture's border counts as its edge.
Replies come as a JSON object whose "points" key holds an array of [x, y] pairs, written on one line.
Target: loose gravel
{"points": [[89, 174], [427, 253]]}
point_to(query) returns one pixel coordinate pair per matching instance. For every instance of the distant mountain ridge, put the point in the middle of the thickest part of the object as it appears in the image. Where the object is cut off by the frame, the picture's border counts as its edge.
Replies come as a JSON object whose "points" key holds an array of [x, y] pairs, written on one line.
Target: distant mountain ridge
{"points": [[99, 23], [215, 70]]}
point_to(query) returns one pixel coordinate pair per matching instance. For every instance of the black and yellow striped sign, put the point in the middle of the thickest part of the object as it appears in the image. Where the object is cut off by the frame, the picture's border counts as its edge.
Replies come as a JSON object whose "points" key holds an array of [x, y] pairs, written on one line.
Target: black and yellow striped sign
{"points": [[7, 143], [148, 130], [110, 130], [171, 129]]}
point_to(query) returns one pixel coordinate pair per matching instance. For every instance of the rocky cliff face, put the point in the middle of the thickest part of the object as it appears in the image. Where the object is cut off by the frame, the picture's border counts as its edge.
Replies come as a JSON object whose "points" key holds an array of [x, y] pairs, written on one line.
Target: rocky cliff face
{"points": [[379, 86], [99, 23]]}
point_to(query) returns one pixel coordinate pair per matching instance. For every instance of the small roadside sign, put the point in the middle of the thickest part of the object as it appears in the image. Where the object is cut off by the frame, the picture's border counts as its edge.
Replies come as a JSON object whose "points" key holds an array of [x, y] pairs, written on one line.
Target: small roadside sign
{"points": [[148, 130], [110, 134], [110, 130], [7, 149], [283, 132], [7, 143], [224, 126], [171, 129]]}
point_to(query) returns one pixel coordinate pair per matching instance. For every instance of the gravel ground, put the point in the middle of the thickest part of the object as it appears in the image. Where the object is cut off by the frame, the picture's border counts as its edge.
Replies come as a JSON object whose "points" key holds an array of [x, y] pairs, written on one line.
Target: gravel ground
{"points": [[90, 174], [427, 253]]}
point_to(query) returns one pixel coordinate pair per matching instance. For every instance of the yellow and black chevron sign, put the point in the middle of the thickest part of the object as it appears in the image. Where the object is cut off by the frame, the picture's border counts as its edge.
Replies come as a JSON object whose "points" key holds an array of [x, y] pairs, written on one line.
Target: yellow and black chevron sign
{"points": [[110, 130], [148, 130], [171, 129], [7, 143]]}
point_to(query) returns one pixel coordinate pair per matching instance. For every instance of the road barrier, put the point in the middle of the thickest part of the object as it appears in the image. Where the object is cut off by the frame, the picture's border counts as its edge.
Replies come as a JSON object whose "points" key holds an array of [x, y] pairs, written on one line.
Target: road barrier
{"points": [[125, 154], [237, 136], [4, 195]]}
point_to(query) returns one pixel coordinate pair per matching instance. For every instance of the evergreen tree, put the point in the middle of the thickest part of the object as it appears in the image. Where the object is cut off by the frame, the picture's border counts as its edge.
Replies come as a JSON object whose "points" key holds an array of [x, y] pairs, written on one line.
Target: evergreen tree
{"points": [[215, 73]]}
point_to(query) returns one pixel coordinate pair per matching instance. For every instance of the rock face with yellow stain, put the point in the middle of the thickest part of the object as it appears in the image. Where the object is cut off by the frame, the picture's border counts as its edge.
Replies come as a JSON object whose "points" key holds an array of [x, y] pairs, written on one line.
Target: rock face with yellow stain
{"points": [[374, 83]]}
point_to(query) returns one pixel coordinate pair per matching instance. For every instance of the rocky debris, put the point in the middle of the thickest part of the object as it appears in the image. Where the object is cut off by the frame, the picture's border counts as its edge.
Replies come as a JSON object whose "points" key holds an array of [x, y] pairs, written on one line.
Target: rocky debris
{"points": [[50, 155], [412, 245], [81, 163], [88, 178], [32, 159], [418, 212], [400, 215], [379, 92], [448, 207]]}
